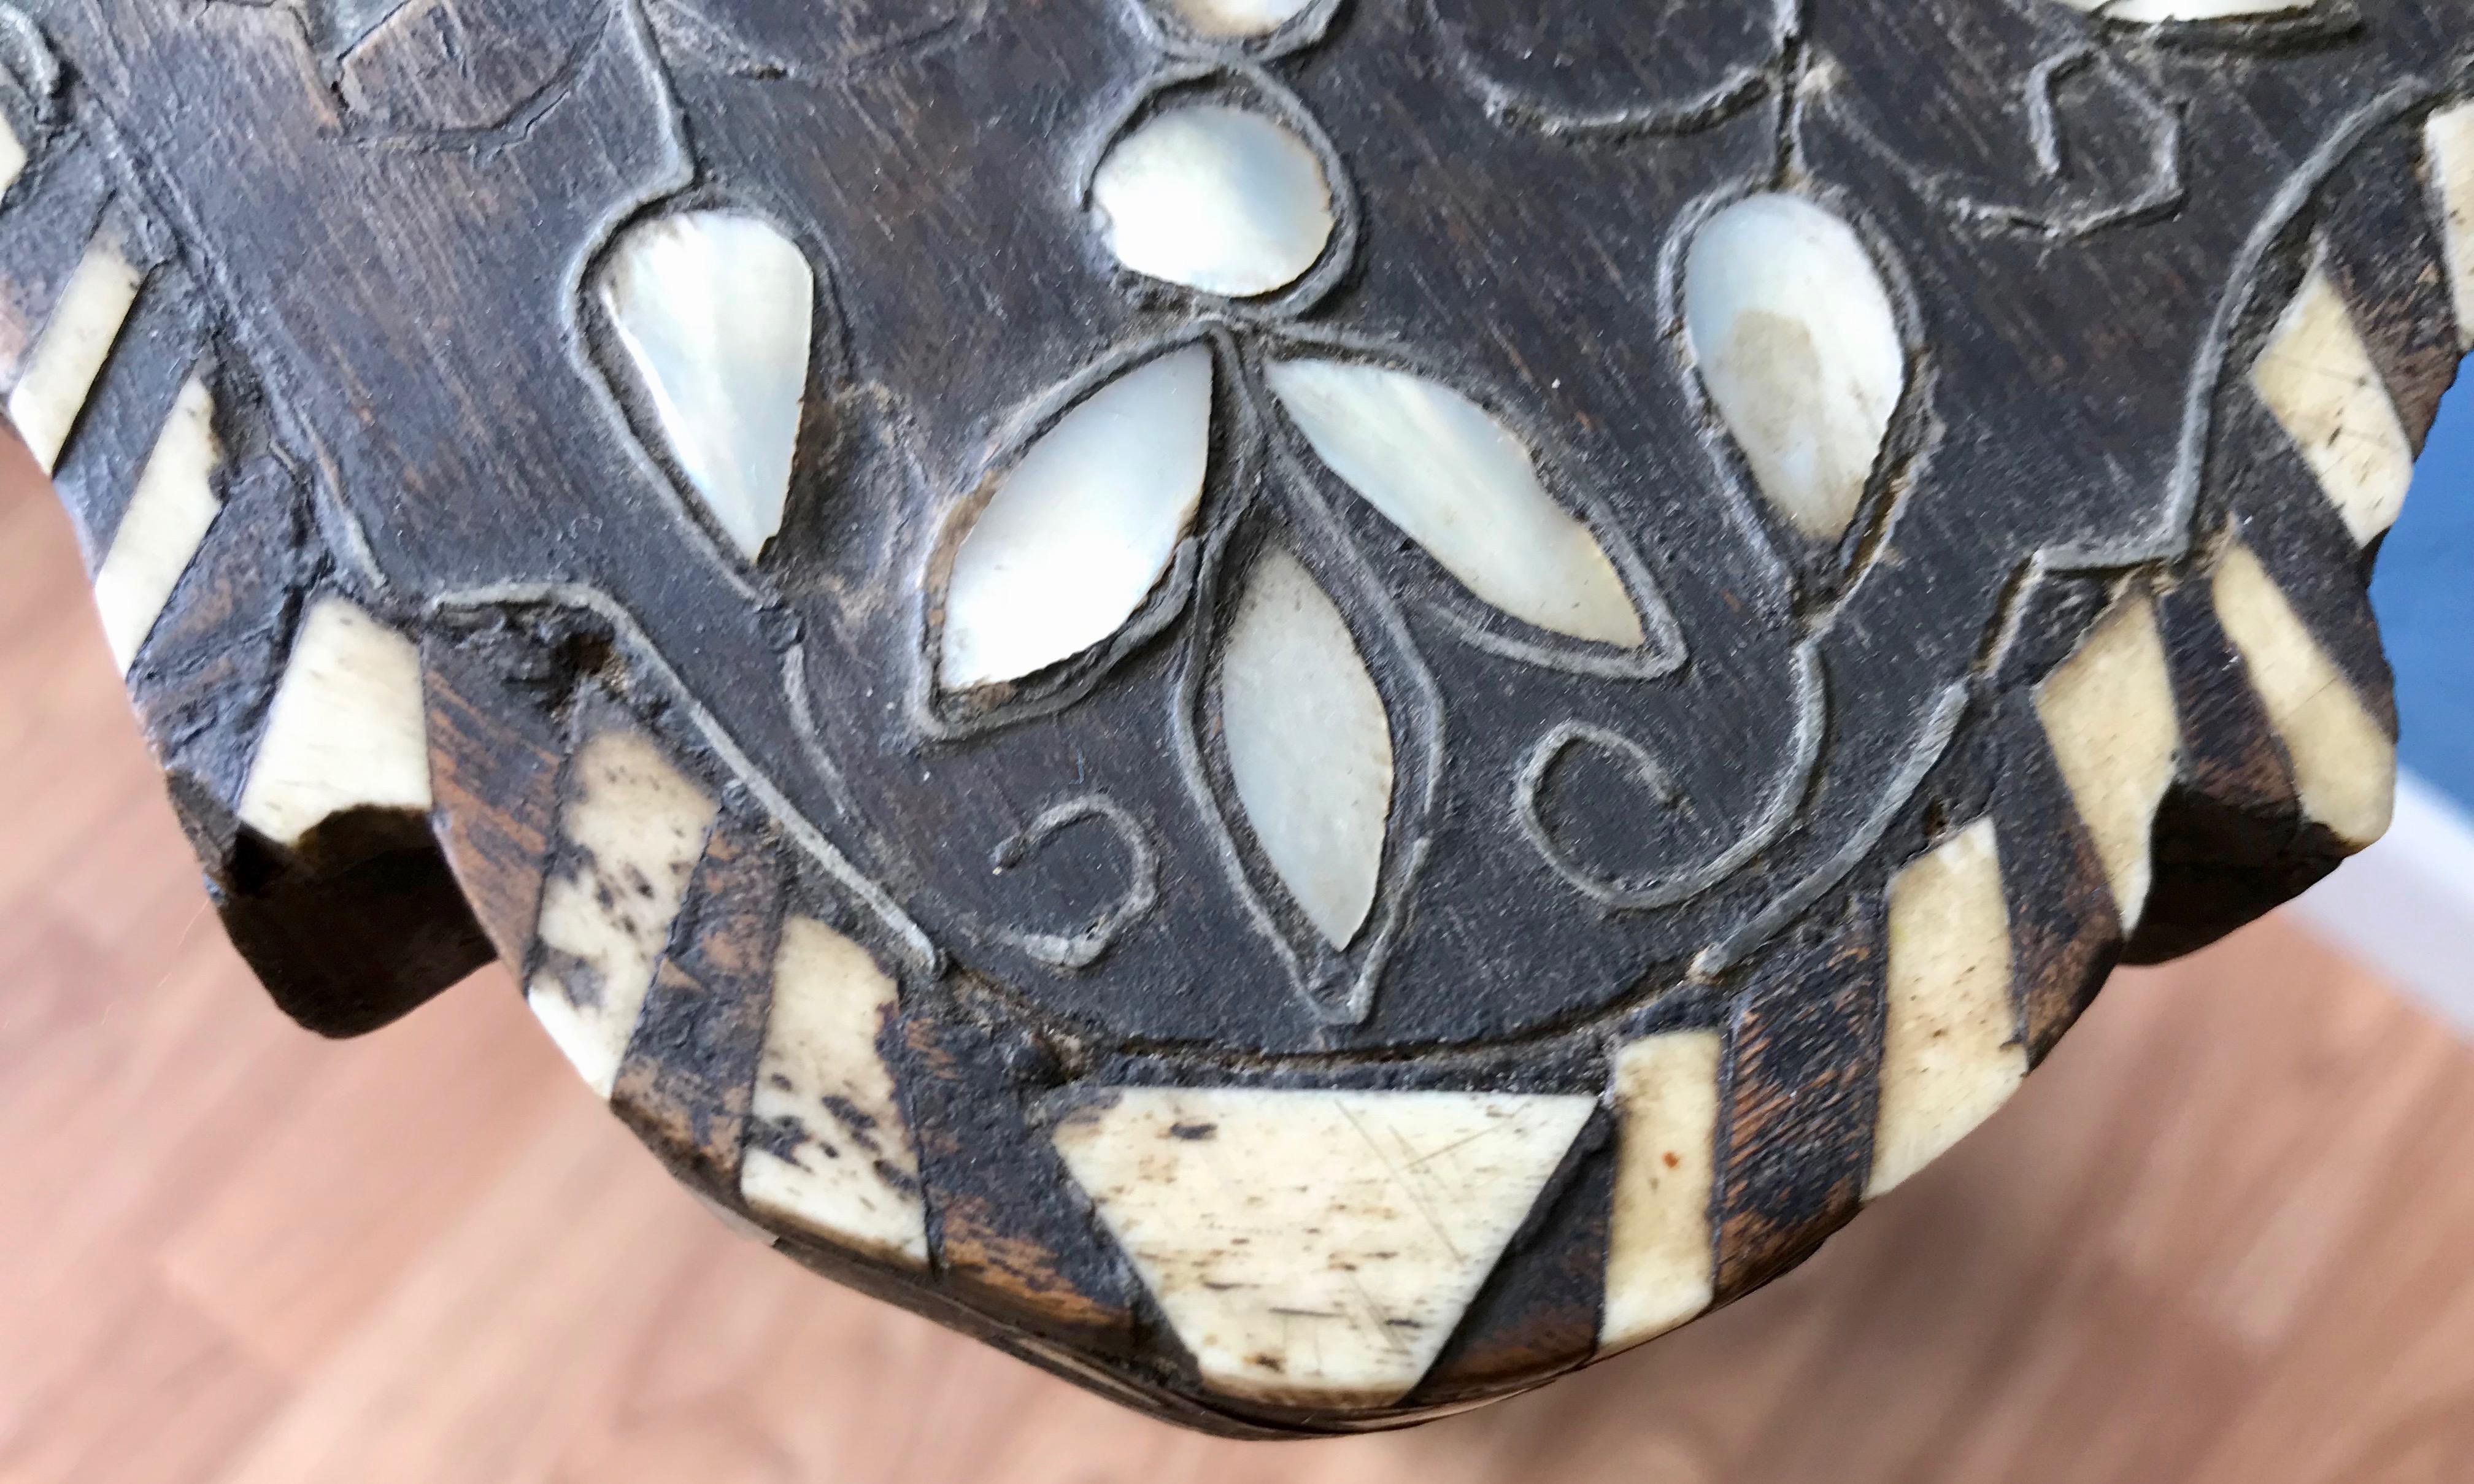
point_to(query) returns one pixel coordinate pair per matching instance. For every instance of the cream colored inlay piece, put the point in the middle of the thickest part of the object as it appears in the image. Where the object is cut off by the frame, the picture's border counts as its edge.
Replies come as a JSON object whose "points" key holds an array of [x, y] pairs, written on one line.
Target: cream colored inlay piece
{"points": [[2108, 712], [12, 157], [2448, 145], [346, 729], [1315, 1248], [832, 1154], [2316, 374], [59, 372], [1661, 1262], [2344, 760], [1234, 19], [1951, 1053], [635, 827], [1215, 197], [166, 521]]}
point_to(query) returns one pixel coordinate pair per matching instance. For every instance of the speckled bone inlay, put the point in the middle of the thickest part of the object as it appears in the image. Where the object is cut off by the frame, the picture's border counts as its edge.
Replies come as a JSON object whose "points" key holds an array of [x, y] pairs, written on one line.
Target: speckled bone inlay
{"points": [[1308, 708]]}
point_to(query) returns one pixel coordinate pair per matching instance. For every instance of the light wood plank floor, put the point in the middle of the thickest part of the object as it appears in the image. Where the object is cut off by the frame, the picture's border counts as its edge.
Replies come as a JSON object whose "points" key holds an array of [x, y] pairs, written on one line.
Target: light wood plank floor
{"points": [[2227, 1236]]}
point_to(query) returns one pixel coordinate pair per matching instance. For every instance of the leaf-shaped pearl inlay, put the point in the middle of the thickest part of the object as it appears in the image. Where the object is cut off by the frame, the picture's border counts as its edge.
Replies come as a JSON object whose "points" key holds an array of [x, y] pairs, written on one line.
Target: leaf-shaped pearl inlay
{"points": [[1081, 530], [713, 309], [1309, 743], [1233, 19], [1462, 487], [1800, 349], [1217, 198]]}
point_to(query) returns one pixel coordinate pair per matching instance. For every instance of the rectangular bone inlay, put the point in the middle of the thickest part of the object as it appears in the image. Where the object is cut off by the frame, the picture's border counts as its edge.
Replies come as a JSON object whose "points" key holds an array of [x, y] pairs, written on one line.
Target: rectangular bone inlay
{"points": [[1951, 1052], [12, 157], [166, 520], [2344, 760], [2448, 146], [1315, 1247], [2317, 377], [832, 1154], [346, 729], [633, 828], [78, 338], [1660, 1267], [2108, 712]]}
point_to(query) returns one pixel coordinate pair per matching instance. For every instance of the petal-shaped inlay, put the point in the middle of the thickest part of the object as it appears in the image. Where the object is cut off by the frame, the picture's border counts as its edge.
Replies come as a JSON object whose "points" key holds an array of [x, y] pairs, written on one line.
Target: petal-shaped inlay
{"points": [[1215, 197], [2148, 12], [714, 310], [1462, 487], [1081, 530], [1233, 19], [1796, 340], [1309, 743]]}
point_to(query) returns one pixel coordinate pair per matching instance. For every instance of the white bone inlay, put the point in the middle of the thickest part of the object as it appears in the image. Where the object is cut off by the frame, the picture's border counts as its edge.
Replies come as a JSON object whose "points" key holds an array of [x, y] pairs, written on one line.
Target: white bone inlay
{"points": [[1460, 484], [1309, 743], [2151, 12], [2448, 145], [714, 308], [59, 372], [1661, 1268], [1084, 527], [2108, 712], [2316, 374], [1217, 198], [166, 521], [635, 827], [1951, 1052], [1235, 19], [12, 157], [832, 1152], [346, 730], [1315, 1247], [1797, 343], [2344, 760]]}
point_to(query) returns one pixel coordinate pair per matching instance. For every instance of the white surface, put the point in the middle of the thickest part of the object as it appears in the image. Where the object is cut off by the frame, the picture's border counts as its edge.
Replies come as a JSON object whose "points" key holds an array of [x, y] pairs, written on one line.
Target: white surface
{"points": [[2406, 905], [166, 520], [1309, 743], [714, 310], [1234, 19], [1462, 487], [2317, 377], [1217, 198], [2344, 760], [1080, 531], [1797, 343], [1660, 1262], [53, 385], [1315, 1247], [2448, 143], [12, 157], [2108, 712], [346, 730]]}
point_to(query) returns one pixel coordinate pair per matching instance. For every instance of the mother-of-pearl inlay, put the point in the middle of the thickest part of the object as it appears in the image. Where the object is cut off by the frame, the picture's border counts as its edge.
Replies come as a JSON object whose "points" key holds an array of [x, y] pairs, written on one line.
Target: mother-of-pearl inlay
{"points": [[1215, 197]]}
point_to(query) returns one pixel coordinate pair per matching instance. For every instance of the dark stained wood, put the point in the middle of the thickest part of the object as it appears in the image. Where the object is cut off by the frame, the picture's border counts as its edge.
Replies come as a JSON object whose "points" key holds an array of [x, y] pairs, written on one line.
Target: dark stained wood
{"points": [[495, 755]]}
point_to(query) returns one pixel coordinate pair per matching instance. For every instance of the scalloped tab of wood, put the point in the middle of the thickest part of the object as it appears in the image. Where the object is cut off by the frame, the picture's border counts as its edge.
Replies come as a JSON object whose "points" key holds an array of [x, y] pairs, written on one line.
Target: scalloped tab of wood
{"points": [[1661, 1268], [346, 729], [159, 533], [632, 829], [2344, 760], [1952, 1051], [1315, 1248], [76, 340], [2317, 377], [832, 1154], [2448, 149], [2108, 712]]}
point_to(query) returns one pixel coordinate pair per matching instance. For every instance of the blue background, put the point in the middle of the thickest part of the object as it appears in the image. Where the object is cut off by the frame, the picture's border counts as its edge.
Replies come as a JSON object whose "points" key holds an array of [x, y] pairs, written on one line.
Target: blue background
{"points": [[2424, 592]]}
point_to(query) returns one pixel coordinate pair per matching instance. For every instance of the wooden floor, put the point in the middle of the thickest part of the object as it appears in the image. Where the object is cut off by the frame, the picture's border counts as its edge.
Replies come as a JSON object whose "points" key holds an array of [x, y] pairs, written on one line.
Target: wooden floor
{"points": [[2226, 1234]]}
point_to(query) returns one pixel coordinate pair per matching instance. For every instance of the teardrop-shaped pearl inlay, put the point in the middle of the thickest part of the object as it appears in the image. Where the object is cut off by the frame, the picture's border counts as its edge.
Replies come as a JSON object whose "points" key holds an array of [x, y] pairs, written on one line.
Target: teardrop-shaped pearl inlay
{"points": [[713, 309], [1309, 743], [1081, 530], [1462, 487], [1233, 19], [1214, 197], [1799, 347]]}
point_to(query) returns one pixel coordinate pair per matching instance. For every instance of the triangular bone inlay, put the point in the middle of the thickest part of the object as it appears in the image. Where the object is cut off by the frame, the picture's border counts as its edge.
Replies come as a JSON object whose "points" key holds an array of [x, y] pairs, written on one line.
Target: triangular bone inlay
{"points": [[1315, 1248]]}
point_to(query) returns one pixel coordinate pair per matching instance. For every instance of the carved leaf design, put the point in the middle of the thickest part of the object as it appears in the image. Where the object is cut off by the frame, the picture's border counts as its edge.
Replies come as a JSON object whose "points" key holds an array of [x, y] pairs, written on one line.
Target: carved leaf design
{"points": [[1460, 484], [1082, 527], [1566, 65]]}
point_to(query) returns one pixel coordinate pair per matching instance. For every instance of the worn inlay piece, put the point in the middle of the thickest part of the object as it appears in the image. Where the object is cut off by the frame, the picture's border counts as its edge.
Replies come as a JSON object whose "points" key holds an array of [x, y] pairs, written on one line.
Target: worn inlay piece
{"points": [[2318, 378], [1075, 535], [1314, 1247], [2343, 760], [1661, 1266], [2108, 712], [2448, 152], [166, 521], [832, 1155], [59, 372], [1795, 338], [1309, 743], [1215, 197], [1951, 1052], [346, 730], [1441, 468], [631, 829], [714, 308]]}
